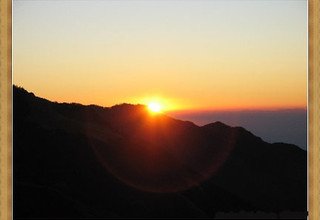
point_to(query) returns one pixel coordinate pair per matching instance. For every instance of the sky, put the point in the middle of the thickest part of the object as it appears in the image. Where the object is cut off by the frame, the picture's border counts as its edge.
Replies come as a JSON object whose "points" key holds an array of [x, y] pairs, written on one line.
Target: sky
{"points": [[188, 55]]}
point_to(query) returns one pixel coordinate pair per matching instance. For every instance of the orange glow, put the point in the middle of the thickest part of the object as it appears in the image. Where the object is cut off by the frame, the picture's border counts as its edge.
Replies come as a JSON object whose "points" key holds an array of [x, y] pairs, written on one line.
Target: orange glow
{"points": [[158, 103]]}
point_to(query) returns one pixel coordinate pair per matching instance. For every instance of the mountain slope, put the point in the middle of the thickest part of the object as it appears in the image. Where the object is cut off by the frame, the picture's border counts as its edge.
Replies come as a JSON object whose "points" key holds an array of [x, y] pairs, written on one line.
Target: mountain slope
{"points": [[122, 161]]}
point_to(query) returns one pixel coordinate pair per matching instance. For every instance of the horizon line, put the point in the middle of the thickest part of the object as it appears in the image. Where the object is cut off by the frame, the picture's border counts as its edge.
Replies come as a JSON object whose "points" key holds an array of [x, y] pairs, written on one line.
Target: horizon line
{"points": [[186, 110]]}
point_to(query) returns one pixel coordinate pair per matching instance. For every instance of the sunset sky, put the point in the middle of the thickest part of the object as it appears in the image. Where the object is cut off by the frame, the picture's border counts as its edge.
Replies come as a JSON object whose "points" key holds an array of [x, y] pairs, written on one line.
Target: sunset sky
{"points": [[198, 55]]}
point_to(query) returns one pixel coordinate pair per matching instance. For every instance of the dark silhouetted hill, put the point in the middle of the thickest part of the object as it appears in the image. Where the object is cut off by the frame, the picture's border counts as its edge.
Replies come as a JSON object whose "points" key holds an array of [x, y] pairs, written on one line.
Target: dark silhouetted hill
{"points": [[76, 161]]}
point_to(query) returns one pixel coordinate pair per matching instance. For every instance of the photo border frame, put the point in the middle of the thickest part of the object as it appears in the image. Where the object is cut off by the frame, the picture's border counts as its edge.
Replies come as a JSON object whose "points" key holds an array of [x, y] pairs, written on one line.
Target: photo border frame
{"points": [[6, 189]]}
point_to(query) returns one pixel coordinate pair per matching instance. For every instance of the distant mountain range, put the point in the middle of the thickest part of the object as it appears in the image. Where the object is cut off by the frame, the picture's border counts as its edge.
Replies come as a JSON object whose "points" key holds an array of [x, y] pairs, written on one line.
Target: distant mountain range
{"points": [[272, 125], [76, 161]]}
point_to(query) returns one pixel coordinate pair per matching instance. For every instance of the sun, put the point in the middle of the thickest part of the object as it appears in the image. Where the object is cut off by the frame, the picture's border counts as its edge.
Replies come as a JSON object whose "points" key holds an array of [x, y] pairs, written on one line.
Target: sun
{"points": [[156, 104], [155, 107]]}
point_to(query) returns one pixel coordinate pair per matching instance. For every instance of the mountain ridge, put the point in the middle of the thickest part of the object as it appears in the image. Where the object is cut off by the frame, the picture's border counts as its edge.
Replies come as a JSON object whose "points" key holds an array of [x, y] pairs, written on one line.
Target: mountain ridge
{"points": [[146, 155]]}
